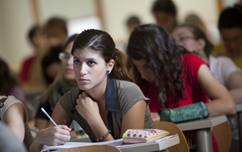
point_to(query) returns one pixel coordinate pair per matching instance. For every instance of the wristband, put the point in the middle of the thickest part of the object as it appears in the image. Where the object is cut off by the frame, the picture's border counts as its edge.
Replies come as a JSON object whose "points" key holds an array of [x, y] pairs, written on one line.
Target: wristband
{"points": [[104, 136]]}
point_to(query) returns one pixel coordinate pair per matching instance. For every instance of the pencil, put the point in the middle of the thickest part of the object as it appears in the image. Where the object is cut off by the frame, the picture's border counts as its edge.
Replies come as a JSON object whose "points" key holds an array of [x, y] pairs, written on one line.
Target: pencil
{"points": [[49, 116]]}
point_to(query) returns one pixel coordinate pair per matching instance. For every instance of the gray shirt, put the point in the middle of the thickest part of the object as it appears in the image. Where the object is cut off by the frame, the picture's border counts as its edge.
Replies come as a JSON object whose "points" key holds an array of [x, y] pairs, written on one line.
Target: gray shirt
{"points": [[120, 97]]}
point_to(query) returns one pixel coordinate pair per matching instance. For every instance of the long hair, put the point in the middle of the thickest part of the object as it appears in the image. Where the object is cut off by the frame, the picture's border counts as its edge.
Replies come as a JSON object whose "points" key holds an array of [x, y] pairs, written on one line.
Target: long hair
{"points": [[163, 56], [7, 81], [103, 43], [59, 78], [199, 34]]}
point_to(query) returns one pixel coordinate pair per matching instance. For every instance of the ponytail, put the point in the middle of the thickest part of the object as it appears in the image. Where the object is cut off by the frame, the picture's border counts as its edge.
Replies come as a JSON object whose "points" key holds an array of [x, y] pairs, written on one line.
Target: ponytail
{"points": [[119, 70]]}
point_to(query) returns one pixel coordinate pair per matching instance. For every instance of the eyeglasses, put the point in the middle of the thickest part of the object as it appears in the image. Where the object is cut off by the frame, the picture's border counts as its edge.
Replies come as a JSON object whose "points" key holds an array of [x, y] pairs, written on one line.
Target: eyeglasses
{"points": [[64, 56]]}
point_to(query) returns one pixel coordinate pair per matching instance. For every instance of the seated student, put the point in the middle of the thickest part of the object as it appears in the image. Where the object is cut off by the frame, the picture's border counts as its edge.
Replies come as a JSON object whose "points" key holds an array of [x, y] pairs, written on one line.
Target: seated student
{"points": [[223, 68], [230, 28], [56, 30], [105, 99], [50, 64], [64, 82], [173, 77], [38, 41], [165, 14], [8, 84], [14, 115], [7, 138]]}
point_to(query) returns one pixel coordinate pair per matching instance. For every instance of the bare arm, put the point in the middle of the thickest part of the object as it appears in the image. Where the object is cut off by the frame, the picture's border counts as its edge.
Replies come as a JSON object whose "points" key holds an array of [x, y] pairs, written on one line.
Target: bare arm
{"points": [[40, 123], [60, 116], [135, 114], [221, 101], [235, 86], [14, 118], [53, 135]]}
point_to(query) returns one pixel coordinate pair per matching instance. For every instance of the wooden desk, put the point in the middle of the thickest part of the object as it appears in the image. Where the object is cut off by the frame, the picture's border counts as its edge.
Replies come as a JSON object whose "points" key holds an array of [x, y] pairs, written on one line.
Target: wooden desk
{"points": [[203, 131], [142, 147], [239, 117]]}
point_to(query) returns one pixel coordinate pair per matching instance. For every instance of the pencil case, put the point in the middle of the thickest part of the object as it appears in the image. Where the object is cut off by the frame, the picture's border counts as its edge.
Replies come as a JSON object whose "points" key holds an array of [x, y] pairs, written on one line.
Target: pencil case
{"points": [[185, 113], [143, 135]]}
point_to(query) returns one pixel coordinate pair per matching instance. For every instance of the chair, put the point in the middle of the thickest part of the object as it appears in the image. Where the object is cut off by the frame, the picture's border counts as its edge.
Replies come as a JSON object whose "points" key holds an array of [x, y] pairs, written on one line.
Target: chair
{"points": [[174, 129], [96, 148], [222, 134]]}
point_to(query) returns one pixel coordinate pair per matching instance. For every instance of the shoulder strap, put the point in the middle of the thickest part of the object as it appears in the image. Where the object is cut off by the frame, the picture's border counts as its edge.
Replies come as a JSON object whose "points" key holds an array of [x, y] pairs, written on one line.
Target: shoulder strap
{"points": [[2, 102]]}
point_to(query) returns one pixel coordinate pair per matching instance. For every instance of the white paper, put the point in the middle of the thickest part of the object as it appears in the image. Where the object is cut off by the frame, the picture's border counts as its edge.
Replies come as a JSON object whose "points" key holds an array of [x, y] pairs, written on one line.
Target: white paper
{"points": [[118, 143], [78, 144]]}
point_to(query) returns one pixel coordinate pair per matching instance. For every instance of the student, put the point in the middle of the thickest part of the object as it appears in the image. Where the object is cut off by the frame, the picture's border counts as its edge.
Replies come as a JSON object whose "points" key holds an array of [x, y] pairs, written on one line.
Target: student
{"points": [[64, 82], [223, 68], [106, 103], [132, 22], [50, 64], [38, 40], [165, 13], [56, 30], [230, 28], [171, 76], [8, 84], [14, 115]]}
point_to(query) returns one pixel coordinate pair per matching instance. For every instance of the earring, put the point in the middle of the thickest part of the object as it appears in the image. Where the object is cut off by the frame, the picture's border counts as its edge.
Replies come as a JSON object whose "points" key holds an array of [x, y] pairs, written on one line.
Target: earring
{"points": [[108, 71]]}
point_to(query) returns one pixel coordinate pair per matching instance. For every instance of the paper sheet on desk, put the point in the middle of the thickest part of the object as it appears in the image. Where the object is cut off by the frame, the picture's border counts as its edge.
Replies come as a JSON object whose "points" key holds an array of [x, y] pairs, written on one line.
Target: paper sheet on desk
{"points": [[78, 144], [118, 143]]}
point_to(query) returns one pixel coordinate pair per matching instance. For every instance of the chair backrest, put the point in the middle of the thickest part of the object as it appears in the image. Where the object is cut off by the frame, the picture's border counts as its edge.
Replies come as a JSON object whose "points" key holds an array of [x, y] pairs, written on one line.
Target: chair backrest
{"points": [[174, 129], [96, 148], [222, 134]]}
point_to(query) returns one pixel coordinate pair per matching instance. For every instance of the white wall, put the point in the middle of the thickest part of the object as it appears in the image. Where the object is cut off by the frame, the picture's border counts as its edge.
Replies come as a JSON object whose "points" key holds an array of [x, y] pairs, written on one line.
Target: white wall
{"points": [[15, 19], [66, 8]]}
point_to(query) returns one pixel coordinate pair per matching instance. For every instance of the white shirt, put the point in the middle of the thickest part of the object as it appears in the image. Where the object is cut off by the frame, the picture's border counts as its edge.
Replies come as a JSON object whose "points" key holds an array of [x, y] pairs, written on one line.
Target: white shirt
{"points": [[221, 68]]}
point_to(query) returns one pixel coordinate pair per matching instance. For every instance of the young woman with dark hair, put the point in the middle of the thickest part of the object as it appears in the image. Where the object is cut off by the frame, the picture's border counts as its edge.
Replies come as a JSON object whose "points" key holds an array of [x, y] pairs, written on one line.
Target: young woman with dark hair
{"points": [[106, 103], [173, 77], [223, 68]]}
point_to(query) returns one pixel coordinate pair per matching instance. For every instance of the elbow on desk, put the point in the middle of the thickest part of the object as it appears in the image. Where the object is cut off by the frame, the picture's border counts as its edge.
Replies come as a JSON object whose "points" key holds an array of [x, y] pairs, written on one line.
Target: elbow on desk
{"points": [[231, 108]]}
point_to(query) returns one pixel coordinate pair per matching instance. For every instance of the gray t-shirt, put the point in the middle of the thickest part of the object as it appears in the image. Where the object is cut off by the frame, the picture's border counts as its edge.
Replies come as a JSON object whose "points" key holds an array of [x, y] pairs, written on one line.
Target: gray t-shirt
{"points": [[120, 97]]}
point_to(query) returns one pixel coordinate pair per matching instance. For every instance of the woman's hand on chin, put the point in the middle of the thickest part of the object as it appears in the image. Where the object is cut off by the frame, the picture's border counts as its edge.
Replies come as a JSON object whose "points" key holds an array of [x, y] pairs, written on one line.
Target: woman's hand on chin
{"points": [[86, 107]]}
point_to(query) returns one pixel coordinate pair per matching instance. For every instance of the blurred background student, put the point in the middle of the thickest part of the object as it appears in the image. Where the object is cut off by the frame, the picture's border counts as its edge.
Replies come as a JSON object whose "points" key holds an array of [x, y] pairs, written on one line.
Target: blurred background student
{"points": [[8, 82], [63, 82], [165, 14], [223, 68]]}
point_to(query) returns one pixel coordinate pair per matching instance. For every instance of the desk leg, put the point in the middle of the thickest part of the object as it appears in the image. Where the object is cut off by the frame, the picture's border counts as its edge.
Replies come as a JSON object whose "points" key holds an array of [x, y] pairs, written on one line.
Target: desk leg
{"points": [[239, 114], [204, 140]]}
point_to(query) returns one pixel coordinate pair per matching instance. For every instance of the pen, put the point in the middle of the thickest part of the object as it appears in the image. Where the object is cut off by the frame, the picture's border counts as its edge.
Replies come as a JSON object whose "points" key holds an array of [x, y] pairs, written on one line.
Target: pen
{"points": [[49, 116]]}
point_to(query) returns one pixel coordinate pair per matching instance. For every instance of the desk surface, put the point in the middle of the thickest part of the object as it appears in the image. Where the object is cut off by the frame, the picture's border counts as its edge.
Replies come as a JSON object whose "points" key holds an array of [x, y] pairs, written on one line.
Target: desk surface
{"points": [[152, 146], [203, 123], [158, 145]]}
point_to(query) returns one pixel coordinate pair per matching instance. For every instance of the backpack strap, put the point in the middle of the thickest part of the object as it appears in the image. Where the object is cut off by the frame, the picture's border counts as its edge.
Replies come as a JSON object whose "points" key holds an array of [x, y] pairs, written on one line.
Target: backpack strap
{"points": [[2, 102]]}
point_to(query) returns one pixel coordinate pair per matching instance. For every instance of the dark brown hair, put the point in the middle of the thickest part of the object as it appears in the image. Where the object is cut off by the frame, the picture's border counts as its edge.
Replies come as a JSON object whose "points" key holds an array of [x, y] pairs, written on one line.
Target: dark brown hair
{"points": [[101, 41], [7, 81], [163, 56]]}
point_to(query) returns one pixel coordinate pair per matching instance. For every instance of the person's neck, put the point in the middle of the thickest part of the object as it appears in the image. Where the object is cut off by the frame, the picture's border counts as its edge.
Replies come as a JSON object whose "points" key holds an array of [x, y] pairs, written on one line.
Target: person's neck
{"points": [[98, 93]]}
